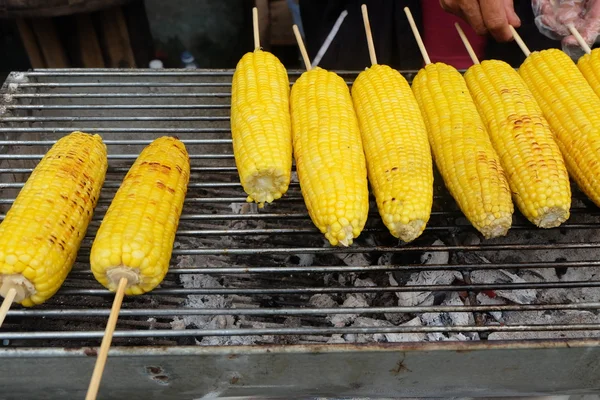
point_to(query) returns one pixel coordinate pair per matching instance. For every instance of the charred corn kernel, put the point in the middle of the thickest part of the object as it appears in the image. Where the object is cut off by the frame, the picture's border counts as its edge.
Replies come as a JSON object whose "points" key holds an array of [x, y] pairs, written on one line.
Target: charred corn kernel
{"points": [[260, 126], [523, 140], [329, 155], [462, 149], [397, 150], [573, 112], [135, 239], [589, 65], [42, 231]]}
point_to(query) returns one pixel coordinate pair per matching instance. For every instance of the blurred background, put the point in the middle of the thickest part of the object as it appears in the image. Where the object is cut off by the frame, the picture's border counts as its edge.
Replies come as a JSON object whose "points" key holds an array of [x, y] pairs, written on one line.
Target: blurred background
{"points": [[139, 33]]}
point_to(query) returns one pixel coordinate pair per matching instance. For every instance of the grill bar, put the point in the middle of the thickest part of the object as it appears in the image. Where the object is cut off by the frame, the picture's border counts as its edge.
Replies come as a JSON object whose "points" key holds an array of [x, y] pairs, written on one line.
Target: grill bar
{"points": [[296, 311], [244, 265], [118, 107], [372, 268], [110, 142], [365, 289], [296, 331]]}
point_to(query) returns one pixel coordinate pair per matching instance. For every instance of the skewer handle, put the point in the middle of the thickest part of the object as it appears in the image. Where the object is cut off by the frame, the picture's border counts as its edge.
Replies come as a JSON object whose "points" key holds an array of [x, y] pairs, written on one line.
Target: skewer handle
{"points": [[520, 41], [365, 15], [302, 48], [6, 303], [255, 28], [467, 44], [579, 39], [106, 341], [415, 31]]}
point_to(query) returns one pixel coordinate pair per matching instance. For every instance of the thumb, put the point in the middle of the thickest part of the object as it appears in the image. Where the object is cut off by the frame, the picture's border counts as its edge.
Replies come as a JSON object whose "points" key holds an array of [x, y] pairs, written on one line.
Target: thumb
{"points": [[511, 15]]}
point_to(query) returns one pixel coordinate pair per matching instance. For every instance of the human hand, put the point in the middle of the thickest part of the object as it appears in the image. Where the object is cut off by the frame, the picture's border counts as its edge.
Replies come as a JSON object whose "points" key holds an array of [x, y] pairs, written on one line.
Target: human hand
{"points": [[553, 18], [493, 16]]}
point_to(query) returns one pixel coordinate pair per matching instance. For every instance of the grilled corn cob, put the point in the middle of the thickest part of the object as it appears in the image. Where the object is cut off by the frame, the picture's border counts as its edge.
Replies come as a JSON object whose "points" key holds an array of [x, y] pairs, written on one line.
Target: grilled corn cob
{"points": [[462, 149], [589, 65], [523, 140], [573, 112], [42, 231], [260, 126], [329, 156], [135, 239], [398, 156]]}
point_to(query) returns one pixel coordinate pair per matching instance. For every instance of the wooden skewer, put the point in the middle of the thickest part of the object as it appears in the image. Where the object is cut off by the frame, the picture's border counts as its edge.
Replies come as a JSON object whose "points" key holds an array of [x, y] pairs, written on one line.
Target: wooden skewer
{"points": [[255, 28], [579, 39], [467, 44], [519, 41], [92, 392], [365, 15], [6, 303], [417, 35], [302, 48]]}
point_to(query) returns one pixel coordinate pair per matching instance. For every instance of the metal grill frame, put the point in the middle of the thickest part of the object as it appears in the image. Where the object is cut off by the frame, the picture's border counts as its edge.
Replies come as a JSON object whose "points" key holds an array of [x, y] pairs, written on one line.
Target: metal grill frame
{"points": [[473, 368]]}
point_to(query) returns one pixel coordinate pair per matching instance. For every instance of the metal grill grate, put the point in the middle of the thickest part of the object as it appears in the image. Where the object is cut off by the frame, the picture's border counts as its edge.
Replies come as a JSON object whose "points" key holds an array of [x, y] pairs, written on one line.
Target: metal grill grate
{"points": [[267, 275]]}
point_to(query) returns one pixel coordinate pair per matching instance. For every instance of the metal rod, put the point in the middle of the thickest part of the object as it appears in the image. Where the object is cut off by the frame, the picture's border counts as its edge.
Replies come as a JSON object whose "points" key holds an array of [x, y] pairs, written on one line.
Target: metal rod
{"points": [[54, 85], [365, 289], [170, 312], [384, 249], [296, 331], [117, 95], [114, 130], [117, 106], [194, 200], [97, 118], [112, 157], [295, 269], [112, 142]]}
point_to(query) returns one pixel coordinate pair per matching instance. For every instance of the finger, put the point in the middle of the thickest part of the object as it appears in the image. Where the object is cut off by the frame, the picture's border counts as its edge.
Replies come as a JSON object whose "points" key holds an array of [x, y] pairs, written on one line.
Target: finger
{"points": [[568, 12], [495, 20], [446, 6], [471, 13], [593, 10], [511, 15]]}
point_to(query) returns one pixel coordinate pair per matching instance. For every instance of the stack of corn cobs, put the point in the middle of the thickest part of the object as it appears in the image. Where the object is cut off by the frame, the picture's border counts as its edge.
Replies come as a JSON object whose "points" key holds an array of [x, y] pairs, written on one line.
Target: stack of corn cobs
{"points": [[496, 136]]}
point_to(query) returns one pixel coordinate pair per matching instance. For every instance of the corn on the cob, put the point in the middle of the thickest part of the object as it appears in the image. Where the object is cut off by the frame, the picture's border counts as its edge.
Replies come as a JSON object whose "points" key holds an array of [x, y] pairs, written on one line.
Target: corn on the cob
{"points": [[135, 239], [329, 155], [462, 149], [260, 126], [589, 65], [573, 112], [398, 156], [523, 140], [42, 231]]}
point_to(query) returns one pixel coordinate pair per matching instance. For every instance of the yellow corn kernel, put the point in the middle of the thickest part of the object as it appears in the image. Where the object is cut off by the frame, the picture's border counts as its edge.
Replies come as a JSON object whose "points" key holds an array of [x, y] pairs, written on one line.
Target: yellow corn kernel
{"points": [[329, 155], [589, 65], [135, 239], [523, 140], [42, 231], [260, 126], [573, 112], [397, 150], [462, 149]]}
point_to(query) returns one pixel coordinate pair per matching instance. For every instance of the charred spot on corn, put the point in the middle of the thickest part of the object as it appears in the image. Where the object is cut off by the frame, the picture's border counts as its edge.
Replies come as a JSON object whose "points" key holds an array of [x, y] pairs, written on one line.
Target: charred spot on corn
{"points": [[38, 267], [135, 239], [572, 110], [469, 166]]}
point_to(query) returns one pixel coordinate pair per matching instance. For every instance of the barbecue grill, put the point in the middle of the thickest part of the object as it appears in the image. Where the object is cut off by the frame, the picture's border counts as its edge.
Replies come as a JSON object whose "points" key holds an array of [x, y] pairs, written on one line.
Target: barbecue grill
{"points": [[257, 304]]}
